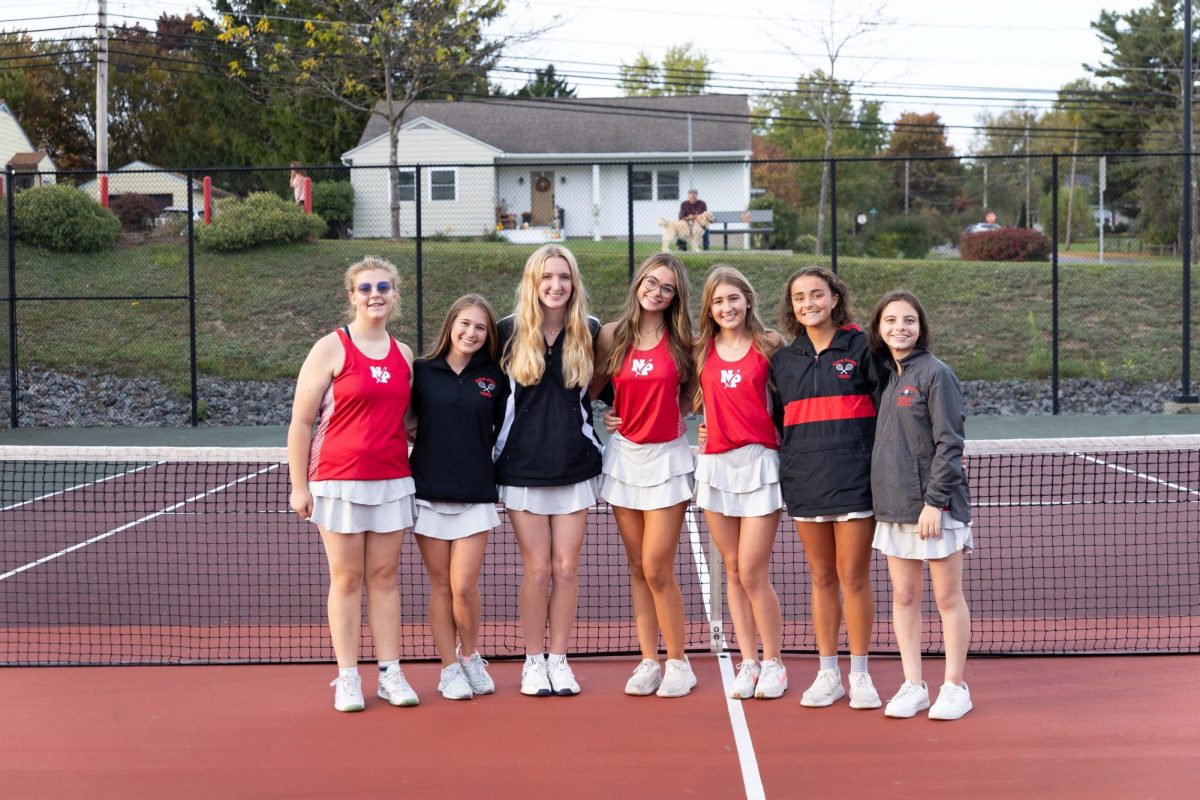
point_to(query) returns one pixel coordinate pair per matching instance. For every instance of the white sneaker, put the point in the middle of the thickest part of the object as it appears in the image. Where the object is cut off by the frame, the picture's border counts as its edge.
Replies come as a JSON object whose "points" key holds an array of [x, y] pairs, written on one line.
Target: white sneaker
{"points": [[678, 679], [562, 680], [347, 692], [746, 680], [395, 689], [862, 691], [475, 669], [908, 701], [534, 680], [952, 703], [645, 679], [772, 680], [454, 684], [824, 690]]}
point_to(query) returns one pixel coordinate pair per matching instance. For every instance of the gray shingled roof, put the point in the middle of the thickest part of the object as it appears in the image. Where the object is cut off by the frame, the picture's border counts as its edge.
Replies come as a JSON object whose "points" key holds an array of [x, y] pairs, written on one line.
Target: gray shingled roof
{"points": [[720, 123]]}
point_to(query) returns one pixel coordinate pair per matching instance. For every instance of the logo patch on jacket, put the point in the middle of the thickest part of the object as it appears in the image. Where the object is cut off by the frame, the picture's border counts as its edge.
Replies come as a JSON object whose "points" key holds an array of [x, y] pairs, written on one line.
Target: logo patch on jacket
{"points": [[642, 366], [845, 368], [730, 378], [906, 397], [380, 374], [486, 386]]}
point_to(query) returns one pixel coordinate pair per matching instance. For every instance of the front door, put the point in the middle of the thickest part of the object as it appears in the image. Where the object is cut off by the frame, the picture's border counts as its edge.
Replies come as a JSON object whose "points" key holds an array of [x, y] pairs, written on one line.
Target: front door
{"points": [[541, 201]]}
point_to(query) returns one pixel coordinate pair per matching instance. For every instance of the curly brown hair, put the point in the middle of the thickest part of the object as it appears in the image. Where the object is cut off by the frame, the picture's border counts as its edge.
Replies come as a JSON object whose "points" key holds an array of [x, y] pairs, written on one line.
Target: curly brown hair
{"points": [[841, 312]]}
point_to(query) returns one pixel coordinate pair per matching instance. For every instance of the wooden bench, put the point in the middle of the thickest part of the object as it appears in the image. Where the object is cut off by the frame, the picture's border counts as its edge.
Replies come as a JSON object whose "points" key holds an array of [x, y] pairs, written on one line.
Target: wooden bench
{"points": [[755, 222]]}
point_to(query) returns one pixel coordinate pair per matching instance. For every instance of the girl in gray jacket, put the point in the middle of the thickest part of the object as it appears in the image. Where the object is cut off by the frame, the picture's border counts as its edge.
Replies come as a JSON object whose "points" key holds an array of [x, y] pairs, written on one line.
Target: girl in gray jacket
{"points": [[921, 501]]}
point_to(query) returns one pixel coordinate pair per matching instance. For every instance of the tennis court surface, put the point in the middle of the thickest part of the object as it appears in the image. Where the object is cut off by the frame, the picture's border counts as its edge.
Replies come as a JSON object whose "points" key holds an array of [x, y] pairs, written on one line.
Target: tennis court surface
{"points": [[114, 557]]}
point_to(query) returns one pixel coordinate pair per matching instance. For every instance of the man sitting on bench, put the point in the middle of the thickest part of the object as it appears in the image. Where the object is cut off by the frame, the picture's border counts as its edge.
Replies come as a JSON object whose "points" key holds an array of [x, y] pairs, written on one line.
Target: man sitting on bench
{"points": [[690, 209]]}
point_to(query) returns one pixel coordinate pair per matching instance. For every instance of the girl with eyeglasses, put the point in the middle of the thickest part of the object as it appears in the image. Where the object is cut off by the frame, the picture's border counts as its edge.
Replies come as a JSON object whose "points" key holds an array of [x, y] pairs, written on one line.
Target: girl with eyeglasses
{"points": [[547, 455], [648, 463], [352, 477]]}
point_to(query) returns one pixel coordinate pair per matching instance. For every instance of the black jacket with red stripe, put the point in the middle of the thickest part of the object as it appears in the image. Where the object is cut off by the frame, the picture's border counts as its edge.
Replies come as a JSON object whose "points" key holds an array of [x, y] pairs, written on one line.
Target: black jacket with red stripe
{"points": [[825, 409]]}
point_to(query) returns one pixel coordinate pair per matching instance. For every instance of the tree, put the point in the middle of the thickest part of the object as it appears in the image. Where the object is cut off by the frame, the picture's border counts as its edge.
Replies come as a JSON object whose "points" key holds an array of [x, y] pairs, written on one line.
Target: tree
{"points": [[545, 83], [929, 182], [373, 56], [683, 71], [47, 95]]}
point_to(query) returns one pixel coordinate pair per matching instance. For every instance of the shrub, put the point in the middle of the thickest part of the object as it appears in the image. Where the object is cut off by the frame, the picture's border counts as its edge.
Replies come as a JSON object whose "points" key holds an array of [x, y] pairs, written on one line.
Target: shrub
{"points": [[333, 201], [902, 237], [786, 222], [1005, 244], [262, 218], [136, 212], [61, 217]]}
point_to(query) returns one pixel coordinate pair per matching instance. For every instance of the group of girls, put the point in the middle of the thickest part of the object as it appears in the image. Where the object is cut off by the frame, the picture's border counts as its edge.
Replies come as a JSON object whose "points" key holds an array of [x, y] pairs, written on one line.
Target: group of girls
{"points": [[859, 436]]}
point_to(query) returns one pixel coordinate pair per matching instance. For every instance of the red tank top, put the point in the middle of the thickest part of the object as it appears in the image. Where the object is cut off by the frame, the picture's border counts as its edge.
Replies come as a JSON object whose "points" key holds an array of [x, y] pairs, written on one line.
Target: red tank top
{"points": [[647, 395], [361, 435], [736, 402]]}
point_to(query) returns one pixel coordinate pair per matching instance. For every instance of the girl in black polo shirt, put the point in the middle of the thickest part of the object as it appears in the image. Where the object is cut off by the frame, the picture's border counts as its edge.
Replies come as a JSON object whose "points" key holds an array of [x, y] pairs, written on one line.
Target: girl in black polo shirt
{"points": [[458, 400]]}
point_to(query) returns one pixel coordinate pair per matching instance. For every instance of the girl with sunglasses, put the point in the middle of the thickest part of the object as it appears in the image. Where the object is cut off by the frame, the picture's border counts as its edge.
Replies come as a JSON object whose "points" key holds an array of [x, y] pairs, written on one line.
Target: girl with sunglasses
{"points": [[547, 455], [352, 477], [648, 463], [458, 404]]}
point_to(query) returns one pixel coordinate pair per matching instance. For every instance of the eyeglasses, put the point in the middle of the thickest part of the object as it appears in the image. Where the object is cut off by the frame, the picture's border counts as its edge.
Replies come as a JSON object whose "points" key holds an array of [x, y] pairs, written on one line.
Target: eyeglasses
{"points": [[383, 287], [651, 283]]}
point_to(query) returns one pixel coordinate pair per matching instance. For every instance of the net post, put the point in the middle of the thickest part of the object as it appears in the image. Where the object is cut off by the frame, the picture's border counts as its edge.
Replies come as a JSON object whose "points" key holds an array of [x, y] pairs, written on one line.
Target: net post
{"points": [[420, 261], [1054, 400], [629, 211], [191, 202], [13, 394], [833, 233], [716, 603]]}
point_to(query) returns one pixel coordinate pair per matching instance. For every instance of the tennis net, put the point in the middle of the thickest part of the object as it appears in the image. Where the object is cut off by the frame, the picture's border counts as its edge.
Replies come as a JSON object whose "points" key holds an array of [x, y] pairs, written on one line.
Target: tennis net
{"points": [[190, 555]]}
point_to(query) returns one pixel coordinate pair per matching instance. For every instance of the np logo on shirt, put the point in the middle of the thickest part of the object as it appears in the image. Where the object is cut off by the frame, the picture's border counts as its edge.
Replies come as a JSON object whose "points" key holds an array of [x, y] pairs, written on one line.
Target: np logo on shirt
{"points": [[486, 386], [845, 368], [730, 378], [380, 374], [642, 366], [907, 396]]}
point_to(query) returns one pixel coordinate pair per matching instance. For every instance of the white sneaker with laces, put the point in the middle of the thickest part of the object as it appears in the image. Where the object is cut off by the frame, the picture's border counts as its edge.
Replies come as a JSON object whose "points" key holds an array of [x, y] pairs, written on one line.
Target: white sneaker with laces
{"points": [[395, 689], [645, 678], [745, 681], [678, 678], [562, 680], [826, 689], [347, 693], [862, 691], [453, 683], [772, 680], [534, 680], [475, 668], [953, 702], [911, 698]]}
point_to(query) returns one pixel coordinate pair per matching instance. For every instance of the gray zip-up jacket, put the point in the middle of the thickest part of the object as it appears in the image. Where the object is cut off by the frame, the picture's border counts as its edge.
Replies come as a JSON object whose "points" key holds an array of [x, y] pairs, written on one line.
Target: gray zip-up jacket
{"points": [[917, 458]]}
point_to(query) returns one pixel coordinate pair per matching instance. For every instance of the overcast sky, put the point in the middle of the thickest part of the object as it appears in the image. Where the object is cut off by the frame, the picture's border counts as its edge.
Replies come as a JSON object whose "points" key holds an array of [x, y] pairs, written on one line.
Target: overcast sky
{"points": [[954, 57]]}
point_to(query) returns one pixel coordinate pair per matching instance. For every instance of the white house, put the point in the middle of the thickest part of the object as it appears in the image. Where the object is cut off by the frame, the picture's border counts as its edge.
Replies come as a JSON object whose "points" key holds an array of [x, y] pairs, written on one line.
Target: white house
{"points": [[167, 189], [554, 162], [31, 167]]}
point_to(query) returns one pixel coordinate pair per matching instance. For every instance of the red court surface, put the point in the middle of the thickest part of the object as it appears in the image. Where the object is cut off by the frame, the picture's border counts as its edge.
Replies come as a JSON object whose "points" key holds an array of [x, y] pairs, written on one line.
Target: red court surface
{"points": [[1102, 727]]}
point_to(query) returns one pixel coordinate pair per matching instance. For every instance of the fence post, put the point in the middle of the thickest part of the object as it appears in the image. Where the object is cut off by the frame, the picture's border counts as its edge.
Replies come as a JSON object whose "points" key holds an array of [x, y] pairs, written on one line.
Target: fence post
{"points": [[629, 203], [1054, 401], [13, 393], [191, 208], [833, 235], [1185, 379], [420, 262]]}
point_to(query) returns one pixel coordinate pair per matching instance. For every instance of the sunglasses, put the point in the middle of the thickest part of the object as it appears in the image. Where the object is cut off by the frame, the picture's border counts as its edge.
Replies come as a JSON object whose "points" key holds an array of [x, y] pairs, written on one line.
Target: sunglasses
{"points": [[383, 287]]}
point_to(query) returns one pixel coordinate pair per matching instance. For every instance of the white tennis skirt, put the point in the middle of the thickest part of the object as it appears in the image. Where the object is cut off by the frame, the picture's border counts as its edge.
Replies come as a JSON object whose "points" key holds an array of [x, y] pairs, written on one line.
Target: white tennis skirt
{"points": [[739, 483], [449, 521], [358, 506], [837, 517], [647, 476], [900, 539], [548, 500]]}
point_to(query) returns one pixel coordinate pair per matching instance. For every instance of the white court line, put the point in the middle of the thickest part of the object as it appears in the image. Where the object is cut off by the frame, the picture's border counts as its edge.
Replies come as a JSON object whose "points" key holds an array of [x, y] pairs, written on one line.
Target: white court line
{"points": [[78, 486], [751, 779], [128, 525], [1136, 474]]}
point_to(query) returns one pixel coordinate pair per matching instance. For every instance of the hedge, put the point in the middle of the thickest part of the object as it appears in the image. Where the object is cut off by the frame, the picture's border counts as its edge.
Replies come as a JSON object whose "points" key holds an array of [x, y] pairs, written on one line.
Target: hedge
{"points": [[1005, 244], [63, 218], [262, 218]]}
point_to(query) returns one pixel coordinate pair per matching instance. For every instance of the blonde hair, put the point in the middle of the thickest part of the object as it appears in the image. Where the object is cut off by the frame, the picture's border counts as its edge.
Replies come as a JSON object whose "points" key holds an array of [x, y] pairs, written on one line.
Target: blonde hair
{"points": [[524, 354], [466, 301], [719, 274], [366, 265], [677, 319]]}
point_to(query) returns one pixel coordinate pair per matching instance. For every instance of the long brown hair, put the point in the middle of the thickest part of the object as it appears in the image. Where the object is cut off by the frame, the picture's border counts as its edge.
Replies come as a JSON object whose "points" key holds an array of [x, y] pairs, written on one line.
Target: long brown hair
{"points": [[466, 301], [719, 274], [677, 319], [875, 338], [839, 316], [524, 354]]}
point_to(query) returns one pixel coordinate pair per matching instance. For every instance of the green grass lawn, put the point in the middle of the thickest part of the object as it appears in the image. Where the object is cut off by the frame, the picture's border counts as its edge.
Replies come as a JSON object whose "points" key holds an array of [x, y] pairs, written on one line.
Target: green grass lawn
{"points": [[259, 312]]}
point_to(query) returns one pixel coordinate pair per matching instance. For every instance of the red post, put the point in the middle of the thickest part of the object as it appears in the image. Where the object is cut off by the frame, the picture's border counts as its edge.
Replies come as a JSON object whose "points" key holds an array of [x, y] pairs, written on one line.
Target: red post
{"points": [[307, 195], [207, 200], [104, 191]]}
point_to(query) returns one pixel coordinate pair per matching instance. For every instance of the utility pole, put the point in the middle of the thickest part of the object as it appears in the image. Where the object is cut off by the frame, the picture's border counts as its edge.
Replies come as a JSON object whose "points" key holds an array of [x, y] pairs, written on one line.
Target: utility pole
{"points": [[906, 187], [102, 88], [1028, 178]]}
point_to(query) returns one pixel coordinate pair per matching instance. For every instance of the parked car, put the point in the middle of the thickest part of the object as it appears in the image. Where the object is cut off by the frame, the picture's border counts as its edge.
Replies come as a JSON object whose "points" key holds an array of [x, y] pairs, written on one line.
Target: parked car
{"points": [[980, 227]]}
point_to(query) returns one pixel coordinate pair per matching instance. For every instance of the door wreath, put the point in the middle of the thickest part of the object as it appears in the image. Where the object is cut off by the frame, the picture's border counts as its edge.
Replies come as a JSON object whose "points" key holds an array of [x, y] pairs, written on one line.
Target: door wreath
{"points": [[541, 183]]}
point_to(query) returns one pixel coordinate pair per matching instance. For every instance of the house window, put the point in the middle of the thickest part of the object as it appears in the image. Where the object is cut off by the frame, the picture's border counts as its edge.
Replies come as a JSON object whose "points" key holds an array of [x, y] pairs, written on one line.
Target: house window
{"points": [[408, 185], [442, 184], [642, 187], [668, 185]]}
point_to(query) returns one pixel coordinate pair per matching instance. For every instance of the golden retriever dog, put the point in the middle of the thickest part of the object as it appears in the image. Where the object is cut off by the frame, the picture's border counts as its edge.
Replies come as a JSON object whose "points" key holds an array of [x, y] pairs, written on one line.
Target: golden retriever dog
{"points": [[690, 232]]}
